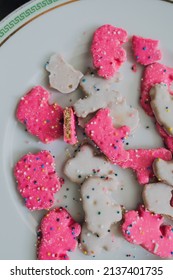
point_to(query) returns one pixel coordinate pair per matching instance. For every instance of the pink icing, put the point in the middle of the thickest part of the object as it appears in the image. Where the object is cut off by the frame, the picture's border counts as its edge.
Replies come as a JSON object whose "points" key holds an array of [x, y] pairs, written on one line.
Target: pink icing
{"points": [[57, 234], [40, 118], [155, 73], [145, 50], [69, 127], [168, 140], [108, 138], [107, 53], [144, 228], [37, 180], [141, 161]]}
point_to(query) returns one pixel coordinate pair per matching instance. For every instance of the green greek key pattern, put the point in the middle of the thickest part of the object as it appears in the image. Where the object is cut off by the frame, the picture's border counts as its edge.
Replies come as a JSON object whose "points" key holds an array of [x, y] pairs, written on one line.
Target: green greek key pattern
{"points": [[21, 17]]}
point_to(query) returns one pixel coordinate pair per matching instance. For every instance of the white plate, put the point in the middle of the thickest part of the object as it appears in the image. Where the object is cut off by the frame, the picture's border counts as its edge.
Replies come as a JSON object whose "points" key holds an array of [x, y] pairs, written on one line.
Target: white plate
{"points": [[28, 37]]}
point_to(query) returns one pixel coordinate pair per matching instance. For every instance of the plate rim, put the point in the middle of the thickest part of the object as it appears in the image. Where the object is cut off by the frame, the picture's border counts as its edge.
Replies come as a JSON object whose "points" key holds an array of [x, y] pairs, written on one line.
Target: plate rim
{"points": [[27, 13]]}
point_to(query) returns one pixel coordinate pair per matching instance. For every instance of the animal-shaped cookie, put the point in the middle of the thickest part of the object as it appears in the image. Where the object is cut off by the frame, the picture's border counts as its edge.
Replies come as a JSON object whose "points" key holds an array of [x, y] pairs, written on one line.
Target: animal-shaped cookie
{"points": [[162, 106], [101, 210], [57, 235], [155, 73], [41, 119], [141, 160], [123, 114], [163, 170], [106, 49], [145, 50], [92, 244], [91, 83], [37, 181], [93, 102], [109, 139], [69, 126], [158, 198], [63, 76], [146, 229], [98, 95], [86, 163]]}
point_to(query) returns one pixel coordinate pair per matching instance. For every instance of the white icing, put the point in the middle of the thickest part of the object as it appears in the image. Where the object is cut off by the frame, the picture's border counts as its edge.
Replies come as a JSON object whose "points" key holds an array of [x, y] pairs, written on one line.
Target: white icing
{"points": [[157, 197], [162, 106], [91, 83], [164, 170], [91, 244], [96, 101], [63, 76], [85, 164], [99, 94], [124, 114], [101, 210]]}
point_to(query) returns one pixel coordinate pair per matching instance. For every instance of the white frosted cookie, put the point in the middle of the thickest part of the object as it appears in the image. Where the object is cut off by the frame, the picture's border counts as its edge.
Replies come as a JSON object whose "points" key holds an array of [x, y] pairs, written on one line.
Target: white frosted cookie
{"points": [[91, 83], [121, 113], [162, 106], [101, 210], [99, 94], [91, 244], [163, 170], [86, 163], [92, 103], [158, 198], [124, 114], [63, 76]]}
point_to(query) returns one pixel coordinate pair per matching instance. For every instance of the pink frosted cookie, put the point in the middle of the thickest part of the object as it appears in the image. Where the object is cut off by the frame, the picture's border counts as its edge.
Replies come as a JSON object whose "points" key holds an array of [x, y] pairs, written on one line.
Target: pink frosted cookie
{"points": [[69, 126], [168, 140], [145, 50], [141, 160], [155, 73], [107, 51], [37, 180], [146, 229], [109, 139], [40, 118], [57, 235]]}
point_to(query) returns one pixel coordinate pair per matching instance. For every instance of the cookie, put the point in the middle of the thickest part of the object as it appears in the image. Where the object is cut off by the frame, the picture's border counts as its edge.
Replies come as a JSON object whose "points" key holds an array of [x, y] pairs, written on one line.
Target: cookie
{"points": [[110, 140], [158, 198], [106, 49], [141, 160], [91, 83], [57, 235], [41, 119], [63, 76], [168, 140], [163, 170], [124, 114], [37, 181], [155, 73], [146, 229], [101, 210], [86, 163], [69, 126], [98, 91], [162, 106], [94, 102], [93, 245], [145, 50], [121, 113]]}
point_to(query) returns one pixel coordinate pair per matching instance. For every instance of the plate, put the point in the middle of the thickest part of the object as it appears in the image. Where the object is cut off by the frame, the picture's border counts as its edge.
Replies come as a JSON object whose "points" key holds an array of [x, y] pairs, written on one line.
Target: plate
{"points": [[28, 37]]}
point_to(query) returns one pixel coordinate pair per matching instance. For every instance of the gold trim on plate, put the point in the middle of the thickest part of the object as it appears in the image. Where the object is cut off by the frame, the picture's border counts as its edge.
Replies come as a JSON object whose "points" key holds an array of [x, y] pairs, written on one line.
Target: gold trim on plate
{"points": [[37, 16]]}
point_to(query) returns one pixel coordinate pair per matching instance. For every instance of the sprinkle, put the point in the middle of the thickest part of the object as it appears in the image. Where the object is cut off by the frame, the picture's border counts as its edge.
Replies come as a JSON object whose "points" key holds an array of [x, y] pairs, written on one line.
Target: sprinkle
{"points": [[134, 68]]}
